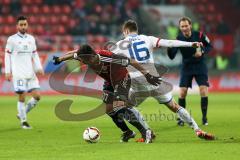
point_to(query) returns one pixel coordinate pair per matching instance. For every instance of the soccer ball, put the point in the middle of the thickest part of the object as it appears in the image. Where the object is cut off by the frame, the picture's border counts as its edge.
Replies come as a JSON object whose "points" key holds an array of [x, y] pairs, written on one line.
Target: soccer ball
{"points": [[91, 135]]}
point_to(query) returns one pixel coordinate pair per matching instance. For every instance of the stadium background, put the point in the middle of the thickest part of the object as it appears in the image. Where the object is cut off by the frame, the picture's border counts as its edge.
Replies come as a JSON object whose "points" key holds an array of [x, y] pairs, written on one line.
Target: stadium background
{"points": [[61, 25]]}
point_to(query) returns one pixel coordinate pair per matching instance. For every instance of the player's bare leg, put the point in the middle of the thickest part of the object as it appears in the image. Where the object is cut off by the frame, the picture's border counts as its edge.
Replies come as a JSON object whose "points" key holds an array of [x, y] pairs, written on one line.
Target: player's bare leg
{"points": [[22, 110], [33, 101], [185, 116], [182, 102], [204, 103]]}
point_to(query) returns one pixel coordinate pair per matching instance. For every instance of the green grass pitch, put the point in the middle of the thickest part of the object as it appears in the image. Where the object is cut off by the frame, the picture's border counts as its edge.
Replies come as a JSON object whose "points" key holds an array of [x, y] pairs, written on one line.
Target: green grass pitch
{"points": [[52, 138]]}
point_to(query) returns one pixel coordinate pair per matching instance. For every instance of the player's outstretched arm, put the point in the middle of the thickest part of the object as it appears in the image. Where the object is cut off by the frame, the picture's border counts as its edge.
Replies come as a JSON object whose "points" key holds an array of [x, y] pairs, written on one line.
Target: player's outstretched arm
{"points": [[67, 56], [177, 43]]}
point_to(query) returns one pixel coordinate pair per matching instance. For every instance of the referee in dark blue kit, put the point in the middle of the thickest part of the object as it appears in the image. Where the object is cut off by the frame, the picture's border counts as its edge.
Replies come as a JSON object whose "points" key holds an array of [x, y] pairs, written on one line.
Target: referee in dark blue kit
{"points": [[193, 65]]}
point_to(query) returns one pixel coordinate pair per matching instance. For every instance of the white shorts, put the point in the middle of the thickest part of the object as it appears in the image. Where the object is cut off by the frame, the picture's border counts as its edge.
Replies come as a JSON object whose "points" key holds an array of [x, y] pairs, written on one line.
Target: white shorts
{"points": [[25, 85], [136, 100], [164, 98], [140, 90]]}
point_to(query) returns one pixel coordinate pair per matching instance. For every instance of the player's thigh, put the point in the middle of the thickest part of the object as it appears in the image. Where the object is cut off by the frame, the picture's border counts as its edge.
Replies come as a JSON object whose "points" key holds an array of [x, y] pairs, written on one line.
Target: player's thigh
{"points": [[135, 97], [203, 90], [19, 85], [183, 92], [108, 97], [165, 98], [186, 80], [112, 106], [33, 85]]}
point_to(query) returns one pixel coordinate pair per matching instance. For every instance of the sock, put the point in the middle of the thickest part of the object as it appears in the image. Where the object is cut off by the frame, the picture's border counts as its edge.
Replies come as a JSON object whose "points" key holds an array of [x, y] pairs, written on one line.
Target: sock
{"points": [[204, 106], [134, 117], [185, 116], [21, 111], [182, 102], [117, 118], [31, 104]]}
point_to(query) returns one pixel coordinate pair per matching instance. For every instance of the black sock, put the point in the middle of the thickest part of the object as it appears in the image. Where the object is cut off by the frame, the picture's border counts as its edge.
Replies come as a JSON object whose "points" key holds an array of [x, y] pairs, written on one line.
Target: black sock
{"points": [[204, 106], [182, 102], [117, 118]]}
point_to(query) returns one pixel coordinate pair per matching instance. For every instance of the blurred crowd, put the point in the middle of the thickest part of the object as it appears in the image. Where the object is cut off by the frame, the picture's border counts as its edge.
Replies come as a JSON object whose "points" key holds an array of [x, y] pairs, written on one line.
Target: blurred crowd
{"points": [[99, 20], [102, 17]]}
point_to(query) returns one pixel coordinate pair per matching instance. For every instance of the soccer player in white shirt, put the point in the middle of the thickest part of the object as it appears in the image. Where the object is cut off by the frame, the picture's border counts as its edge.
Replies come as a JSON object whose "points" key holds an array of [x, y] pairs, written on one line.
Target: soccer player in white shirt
{"points": [[140, 48], [21, 63]]}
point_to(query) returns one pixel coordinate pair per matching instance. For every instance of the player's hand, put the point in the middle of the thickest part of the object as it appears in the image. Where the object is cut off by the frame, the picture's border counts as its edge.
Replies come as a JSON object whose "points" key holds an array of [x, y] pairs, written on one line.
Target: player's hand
{"points": [[8, 76], [153, 79], [40, 72], [197, 44], [198, 54], [56, 60]]}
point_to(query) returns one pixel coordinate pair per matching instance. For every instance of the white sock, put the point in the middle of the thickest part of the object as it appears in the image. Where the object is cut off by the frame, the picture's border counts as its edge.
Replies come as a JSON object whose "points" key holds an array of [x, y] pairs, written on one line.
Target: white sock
{"points": [[21, 111], [31, 104], [185, 116]]}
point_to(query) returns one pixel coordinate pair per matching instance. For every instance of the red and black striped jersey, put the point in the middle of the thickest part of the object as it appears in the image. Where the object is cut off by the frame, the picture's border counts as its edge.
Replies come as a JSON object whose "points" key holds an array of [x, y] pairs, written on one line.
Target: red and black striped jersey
{"points": [[108, 71]]}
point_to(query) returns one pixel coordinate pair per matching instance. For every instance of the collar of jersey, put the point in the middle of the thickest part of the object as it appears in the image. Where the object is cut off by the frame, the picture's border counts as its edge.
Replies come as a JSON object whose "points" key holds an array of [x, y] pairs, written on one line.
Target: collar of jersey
{"points": [[132, 35], [22, 35]]}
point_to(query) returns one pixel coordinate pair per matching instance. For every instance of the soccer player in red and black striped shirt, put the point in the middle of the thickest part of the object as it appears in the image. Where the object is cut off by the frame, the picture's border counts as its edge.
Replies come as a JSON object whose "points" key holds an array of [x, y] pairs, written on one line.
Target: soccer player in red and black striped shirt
{"points": [[116, 87]]}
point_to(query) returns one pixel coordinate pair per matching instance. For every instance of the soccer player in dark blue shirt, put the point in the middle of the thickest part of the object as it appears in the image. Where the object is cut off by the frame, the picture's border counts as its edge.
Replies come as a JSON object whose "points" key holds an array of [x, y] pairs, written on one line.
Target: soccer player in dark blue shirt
{"points": [[193, 65]]}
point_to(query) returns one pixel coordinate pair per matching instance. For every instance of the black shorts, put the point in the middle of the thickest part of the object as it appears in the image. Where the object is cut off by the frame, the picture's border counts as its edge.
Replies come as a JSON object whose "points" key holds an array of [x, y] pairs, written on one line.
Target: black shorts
{"points": [[120, 90], [108, 93], [186, 80]]}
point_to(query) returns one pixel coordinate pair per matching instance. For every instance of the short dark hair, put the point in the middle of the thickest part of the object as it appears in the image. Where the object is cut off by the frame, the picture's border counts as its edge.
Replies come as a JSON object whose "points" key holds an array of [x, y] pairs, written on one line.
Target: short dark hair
{"points": [[185, 19], [131, 25], [20, 18], [85, 49]]}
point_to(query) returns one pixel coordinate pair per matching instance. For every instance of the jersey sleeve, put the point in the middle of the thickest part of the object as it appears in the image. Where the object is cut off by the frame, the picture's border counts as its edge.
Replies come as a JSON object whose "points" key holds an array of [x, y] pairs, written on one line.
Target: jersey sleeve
{"points": [[154, 41], [35, 56], [103, 52], [115, 48], [9, 46], [34, 45], [207, 46], [7, 58]]}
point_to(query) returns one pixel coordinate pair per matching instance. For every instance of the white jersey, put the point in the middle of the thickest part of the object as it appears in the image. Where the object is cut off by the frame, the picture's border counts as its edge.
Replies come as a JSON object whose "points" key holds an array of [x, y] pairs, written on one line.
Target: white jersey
{"points": [[140, 48], [21, 57]]}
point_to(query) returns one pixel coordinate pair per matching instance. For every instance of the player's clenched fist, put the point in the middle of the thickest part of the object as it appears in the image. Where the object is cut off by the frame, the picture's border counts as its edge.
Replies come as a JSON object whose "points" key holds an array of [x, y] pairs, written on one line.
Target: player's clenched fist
{"points": [[40, 72], [56, 60], [197, 44]]}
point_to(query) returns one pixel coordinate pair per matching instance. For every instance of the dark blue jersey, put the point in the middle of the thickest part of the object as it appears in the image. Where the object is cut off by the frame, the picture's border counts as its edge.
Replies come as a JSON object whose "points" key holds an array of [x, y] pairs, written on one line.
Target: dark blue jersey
{"points": [[192, 64]]}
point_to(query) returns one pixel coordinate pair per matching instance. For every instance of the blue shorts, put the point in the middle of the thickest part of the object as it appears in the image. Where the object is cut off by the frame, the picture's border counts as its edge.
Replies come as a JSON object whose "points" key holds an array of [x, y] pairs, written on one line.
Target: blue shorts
{"points": [[186, 80]]}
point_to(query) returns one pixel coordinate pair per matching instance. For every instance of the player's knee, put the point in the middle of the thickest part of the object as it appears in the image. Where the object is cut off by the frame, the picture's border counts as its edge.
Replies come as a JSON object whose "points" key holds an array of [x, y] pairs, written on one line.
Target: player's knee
{"points": [[173, 106], [38, 97], [109, 109], [203, 91], [203, 94], [21, 97], [183, 93]]}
